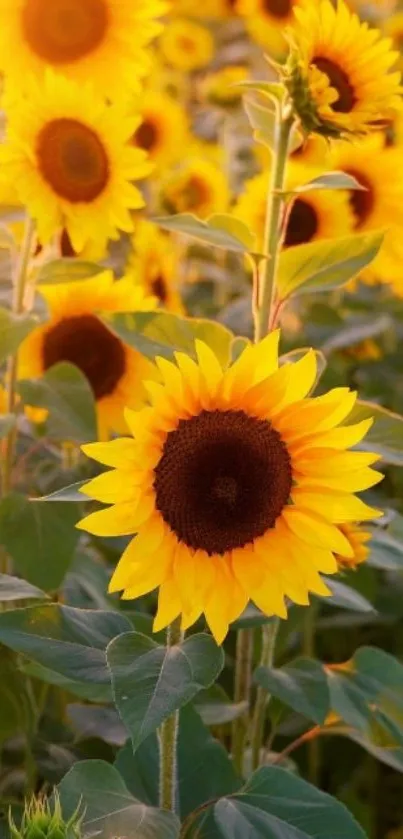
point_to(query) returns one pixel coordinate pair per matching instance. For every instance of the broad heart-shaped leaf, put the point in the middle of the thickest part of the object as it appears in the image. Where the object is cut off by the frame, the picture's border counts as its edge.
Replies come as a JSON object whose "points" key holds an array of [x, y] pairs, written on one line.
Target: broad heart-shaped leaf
{"points": [[69, 641], [325, 264], [205, 770], [12, 588], [345, 597], [67, 271], [109, 808], [65, 392], [13, 330], [41, 539], [367, 693], [7, 422], [302, 685], [150, 682], [386, 434], [161, 333], [217, 232], [330, 180], [275, 804], [68, 493]]}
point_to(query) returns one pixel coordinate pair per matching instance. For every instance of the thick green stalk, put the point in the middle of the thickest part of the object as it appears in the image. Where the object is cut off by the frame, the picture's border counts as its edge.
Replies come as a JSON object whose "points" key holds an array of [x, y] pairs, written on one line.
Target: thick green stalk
{"points": [[243, 680], [269, 637], [168, 737], [274, 217]]}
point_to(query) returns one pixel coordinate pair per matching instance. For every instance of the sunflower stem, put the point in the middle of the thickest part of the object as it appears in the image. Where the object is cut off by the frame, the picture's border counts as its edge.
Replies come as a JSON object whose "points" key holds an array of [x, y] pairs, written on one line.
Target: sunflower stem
{"points": [[274, 213], [243, 680], [269, 637], [168, 737]]}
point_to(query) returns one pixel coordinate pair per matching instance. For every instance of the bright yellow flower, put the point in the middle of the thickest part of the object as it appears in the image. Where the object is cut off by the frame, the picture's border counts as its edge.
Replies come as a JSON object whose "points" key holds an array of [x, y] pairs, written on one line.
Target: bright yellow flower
{"points": [[338, 72], [186, 45], [71, 159], [267, 22], [155, 264], [393, 27], [236, 483], [357, 539], [210, 9], [220, 88], [317, 214], [76, 334], [380, 206], [164, 131], [100, 40], [198, 186]]}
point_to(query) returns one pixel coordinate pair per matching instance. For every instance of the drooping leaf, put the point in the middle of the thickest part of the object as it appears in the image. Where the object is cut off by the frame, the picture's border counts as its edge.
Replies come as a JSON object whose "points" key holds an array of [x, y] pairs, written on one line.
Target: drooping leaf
{"points": [[386, 434], [353, 333], [13, 588], [67, 270], [330, 180], [386, 551], [345, 597], [68, 493], [150, 682], [40, 539], [65, 392], [13, 330], [302, 685], [109, 808], [217, 232], [325, 264]]}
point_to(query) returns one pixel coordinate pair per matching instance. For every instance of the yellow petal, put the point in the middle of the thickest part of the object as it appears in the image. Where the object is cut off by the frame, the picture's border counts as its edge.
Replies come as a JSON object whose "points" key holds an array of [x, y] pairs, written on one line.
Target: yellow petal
{"points": [[119, 520], [334, 506], [169, 605], [113, 487], [354, 482], [338, 438], [314, 530], [209, 365], [301, 378], [218, 606], [118, 453]]}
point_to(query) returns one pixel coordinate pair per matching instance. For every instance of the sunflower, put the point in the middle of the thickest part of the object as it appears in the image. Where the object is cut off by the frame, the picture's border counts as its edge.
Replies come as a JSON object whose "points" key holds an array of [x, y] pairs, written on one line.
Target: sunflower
{"points": [[222, 87], [186, 45], [380, 206], [316, 214], [393, 27], [357, 539], [76, 334], [198, 186], [101, 40], [72, 161], [338, 71], [236, 483], [163, 131], [154, 265], [266, 22], [209, 10]]}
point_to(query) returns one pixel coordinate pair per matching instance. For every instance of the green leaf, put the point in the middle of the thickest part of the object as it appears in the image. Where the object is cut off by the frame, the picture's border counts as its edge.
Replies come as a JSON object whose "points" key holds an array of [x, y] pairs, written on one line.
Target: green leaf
{"points": [[302, 685], [216, 708], [150, 682], [41, 540], [67, 270], [83, 690], [215, 232], [273, 90], [16, 716], [13, 330], [263, 121], [7, 423], [353, 333], [96, 721], [250, 618], [275, 804], [109, 808], [385, 437], [345, 597], [325, 264], [69, 641], [386, 551], [66, 393], [13, 588], [330, 180], [69, 493], [160, 333], [235, 227]]}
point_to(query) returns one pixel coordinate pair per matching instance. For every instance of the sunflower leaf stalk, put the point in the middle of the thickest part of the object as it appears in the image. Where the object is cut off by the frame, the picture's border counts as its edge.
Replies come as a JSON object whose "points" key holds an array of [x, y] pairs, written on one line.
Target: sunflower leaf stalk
{"points": [[269, 637], [168, 740]]}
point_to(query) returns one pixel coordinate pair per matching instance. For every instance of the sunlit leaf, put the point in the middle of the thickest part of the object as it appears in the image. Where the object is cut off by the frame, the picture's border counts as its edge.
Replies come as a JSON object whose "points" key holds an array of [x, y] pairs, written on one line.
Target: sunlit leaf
{"points": [[13, 330], [216, 232], [330, 180], [67, 270], [69, 493]]}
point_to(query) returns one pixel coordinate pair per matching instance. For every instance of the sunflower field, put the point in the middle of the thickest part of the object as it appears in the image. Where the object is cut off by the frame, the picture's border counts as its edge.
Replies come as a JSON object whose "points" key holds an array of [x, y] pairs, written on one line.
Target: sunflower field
{"points": [[201, 419]]}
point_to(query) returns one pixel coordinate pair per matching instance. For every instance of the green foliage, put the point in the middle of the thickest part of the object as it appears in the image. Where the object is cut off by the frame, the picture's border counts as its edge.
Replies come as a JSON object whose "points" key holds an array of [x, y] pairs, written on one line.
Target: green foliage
{"points": [[12, 588], [13, 330], [41, 820], [302, 685], [219, 231], [67, 271], [386, 435], [65, 392]]}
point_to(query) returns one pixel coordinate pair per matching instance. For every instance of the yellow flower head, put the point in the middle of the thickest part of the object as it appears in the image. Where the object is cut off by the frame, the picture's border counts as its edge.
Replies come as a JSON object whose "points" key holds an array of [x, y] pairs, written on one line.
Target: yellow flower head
{"points": [[220, 88], [267, 20], [76, 334], [163, 132], [316, 214], [71, 159], [338, 73], [209, 10], [154, 265], [357, 539], [236, 483], [101, 40], [198, 186], [186, 45]]}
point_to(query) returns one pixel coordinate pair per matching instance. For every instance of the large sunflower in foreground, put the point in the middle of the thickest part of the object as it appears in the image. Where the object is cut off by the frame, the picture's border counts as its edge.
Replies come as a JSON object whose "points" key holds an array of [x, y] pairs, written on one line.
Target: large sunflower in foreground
{"points": [[101, 40], [338, 73], [236, 483], [77, 335], [154, 264], [71, 159]]}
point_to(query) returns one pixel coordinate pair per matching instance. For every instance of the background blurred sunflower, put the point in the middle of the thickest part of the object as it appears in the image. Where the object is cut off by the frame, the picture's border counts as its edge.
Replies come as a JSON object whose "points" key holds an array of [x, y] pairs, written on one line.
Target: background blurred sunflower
{"points": [[154, 264], [76, 334], [266, 22], [186, 45], [198, 186], [83, 39], [237, 482], [71, 159], [164, 131]]}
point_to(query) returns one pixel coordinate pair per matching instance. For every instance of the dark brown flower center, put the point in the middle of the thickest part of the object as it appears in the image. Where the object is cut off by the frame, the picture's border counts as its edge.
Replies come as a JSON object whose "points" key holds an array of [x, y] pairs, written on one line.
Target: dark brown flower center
{"points": [[302, 223], [85, 341], [340, 81], [72, 160], [146, 135], [223, 480], [64, 31], [158, 287], [278, 8], [361, 201]]}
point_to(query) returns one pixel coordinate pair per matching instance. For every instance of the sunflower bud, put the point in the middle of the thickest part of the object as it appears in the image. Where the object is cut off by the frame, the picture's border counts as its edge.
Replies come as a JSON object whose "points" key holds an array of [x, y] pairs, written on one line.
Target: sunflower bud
{"points": [[42, 820]]}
